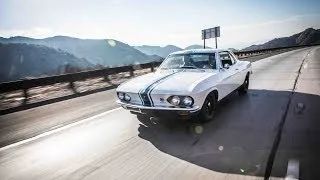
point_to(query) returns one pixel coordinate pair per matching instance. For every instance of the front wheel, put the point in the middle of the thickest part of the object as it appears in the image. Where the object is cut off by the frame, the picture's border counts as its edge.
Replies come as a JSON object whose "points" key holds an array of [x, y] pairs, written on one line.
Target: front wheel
{"points": [[245, 86], [208, 109]]}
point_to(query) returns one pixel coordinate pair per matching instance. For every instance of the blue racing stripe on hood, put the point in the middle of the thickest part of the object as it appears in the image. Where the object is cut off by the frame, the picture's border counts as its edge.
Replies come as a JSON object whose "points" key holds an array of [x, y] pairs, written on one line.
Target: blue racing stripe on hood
{"points": [[144, 93]]}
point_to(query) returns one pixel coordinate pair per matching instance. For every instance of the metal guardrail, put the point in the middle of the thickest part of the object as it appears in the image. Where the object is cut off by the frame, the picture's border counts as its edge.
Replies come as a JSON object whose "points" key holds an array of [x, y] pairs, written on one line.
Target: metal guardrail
{"points": [[80, 76], [262, 51], [70, 78]]}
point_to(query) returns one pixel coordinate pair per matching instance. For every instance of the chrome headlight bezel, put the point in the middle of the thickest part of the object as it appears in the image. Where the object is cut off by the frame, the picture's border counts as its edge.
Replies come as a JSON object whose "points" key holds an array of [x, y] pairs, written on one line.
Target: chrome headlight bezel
{"points": [[174, 100], [120, 95], [124, 96], [187, 101], [127, 97], [181, 101]]}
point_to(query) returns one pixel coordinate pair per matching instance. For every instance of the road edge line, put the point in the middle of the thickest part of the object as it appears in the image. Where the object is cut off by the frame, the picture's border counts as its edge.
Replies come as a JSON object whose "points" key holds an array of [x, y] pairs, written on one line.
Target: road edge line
{"points": [[278, 136], [293, 170]]}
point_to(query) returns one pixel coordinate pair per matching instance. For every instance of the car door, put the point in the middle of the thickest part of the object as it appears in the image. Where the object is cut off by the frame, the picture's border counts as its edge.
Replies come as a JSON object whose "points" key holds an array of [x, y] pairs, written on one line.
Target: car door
{"points": [[227, 73], [238, 70]]}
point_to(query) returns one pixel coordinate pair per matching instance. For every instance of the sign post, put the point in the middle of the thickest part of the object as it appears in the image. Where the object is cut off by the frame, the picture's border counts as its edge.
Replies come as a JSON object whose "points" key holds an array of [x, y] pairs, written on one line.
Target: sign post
{"points": [[210, 33], [204, 40], [216, 42]]}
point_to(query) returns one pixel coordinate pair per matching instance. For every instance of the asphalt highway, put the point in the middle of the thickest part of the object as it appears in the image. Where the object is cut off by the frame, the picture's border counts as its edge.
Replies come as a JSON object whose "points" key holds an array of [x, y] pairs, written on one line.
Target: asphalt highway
{"points": [[251, 137]]}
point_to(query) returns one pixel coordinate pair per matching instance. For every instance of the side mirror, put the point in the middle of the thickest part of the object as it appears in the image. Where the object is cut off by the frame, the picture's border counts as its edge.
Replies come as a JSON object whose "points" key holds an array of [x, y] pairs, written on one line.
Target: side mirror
{"points": [[226, 66]]}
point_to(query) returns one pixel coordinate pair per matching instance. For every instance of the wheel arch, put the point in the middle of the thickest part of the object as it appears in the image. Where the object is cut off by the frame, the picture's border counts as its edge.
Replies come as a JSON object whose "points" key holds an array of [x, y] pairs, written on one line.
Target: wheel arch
{"points": [[204, 116], [213, 92], [248, 74]]}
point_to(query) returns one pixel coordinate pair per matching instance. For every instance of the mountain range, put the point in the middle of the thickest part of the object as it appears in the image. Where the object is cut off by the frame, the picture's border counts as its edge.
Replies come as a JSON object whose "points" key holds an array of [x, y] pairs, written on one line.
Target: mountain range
{"points": [[165, 51], [307, 37], [105, 52], [196, 46], [28, 57], [23, 61], [158, 50]]}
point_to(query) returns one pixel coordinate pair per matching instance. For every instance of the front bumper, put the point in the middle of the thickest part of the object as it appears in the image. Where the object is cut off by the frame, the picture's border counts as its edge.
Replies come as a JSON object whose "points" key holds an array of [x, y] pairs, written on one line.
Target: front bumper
{"points": [[160, 111]]}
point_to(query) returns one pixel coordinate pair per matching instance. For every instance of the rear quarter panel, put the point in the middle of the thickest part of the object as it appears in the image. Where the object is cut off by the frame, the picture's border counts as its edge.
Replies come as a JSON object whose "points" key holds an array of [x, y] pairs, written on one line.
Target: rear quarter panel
{"points": [[244, 67]]}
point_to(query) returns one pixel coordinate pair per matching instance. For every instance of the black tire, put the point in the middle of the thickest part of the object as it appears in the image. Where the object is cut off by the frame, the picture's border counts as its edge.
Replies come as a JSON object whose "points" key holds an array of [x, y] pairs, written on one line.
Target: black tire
{"points": [[208, 109], [245, 86]]}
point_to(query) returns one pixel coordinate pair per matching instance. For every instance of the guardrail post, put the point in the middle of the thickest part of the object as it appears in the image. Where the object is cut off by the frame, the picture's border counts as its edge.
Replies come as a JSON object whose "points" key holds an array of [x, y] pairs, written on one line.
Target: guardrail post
{"points": [[25, 94], [106, 78], [152, 67], [72, 87], [131, 72]]}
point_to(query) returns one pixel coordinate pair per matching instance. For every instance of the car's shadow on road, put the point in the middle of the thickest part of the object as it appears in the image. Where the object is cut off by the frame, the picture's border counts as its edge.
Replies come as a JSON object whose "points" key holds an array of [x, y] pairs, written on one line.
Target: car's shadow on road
{"points": [[239, 139]]}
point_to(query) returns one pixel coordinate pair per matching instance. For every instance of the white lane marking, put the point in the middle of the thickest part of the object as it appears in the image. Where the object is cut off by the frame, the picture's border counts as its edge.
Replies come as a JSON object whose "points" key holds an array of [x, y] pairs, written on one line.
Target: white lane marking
{"points": [[293, 170], [58, 129]]}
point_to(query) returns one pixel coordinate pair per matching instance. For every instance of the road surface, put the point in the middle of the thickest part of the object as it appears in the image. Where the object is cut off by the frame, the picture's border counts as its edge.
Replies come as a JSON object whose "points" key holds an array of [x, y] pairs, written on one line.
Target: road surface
{"points": [[251, 137]]}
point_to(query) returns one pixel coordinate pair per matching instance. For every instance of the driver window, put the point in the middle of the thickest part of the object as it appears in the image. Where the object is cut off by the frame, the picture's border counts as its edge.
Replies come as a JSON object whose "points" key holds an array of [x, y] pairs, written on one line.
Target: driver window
{"points": [[212, 61], [226, 59], [233, 59]]}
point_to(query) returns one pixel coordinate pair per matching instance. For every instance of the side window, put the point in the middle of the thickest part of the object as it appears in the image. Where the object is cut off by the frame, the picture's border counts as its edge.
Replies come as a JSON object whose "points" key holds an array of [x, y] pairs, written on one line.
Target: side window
{"points": [[212, 61], [233, 57], [226, 58]]}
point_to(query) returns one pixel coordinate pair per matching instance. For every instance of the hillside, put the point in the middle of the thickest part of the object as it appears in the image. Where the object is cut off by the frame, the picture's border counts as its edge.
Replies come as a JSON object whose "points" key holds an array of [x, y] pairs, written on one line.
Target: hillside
{"points": [[104, 52], [306, 37], [158, 50], [196, 46], [23, 60]]}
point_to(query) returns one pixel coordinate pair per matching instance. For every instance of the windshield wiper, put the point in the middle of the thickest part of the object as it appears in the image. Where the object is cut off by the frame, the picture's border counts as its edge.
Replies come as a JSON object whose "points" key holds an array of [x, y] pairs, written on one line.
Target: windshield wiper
{"points": [[189, 67]]}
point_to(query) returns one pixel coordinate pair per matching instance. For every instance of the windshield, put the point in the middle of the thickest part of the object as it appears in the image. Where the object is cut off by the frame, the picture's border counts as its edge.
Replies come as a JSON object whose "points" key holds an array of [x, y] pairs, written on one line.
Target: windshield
{"points": [[190, 61]]}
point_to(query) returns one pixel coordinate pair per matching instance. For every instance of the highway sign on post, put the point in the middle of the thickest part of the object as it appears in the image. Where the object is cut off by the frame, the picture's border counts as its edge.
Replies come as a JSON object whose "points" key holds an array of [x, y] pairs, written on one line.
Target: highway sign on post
{"points": [[210, 33]]}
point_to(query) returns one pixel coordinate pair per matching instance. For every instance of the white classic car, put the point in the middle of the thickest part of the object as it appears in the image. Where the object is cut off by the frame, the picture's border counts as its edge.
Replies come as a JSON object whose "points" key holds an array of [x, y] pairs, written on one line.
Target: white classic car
{"points": [[186, 83]]}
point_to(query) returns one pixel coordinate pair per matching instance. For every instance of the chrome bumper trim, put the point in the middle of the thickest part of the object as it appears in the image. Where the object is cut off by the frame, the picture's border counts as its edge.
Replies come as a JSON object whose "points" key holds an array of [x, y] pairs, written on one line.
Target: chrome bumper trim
{"points": [[191, 110]]}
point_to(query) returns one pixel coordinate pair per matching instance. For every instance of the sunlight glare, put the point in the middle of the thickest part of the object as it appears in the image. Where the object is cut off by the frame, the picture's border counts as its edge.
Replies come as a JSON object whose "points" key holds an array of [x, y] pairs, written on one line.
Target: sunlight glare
{"points": [[112, 42]]}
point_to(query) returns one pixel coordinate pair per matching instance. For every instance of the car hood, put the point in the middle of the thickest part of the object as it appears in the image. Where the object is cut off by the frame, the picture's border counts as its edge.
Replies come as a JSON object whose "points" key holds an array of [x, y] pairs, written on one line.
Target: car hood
{"points": [[136, 84], [166, 81], [182, 82]]}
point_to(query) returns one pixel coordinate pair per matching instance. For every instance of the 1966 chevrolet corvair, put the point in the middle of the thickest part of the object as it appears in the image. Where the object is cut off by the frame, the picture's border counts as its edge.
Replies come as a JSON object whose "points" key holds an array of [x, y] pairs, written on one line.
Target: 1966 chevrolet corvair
{"points": [[187, 83]]}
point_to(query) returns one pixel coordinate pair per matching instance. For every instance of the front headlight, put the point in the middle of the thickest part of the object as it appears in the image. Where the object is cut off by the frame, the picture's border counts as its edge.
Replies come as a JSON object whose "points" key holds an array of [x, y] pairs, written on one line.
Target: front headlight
{"points": [[121, 95], [175, 100], [127, 97], [183, 101], [187, 101]]}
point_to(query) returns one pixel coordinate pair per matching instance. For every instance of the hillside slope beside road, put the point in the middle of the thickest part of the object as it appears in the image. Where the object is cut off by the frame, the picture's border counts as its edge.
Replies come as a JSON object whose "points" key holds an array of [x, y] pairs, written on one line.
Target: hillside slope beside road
{"points": [[118, 145], [26, 60]]}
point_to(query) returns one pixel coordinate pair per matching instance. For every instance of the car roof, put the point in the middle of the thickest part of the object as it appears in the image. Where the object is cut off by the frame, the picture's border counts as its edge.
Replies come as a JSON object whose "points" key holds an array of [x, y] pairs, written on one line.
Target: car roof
{"points": [[199, 51]]}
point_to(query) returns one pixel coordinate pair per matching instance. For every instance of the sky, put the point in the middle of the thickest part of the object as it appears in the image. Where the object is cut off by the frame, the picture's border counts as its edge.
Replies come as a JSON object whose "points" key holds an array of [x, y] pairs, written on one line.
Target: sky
{"points": [[160, 22]]}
